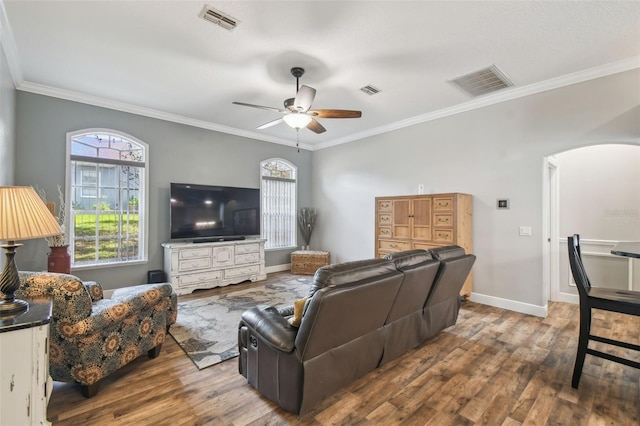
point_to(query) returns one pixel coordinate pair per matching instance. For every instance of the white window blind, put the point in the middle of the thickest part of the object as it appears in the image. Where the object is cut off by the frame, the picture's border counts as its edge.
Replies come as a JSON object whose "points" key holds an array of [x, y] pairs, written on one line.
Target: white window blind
{"points": [[278, 204]]}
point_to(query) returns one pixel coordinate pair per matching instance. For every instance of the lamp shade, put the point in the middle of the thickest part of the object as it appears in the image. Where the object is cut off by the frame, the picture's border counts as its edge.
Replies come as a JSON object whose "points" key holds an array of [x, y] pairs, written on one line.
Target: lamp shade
{"points": [[297, 120], [24, 216]]}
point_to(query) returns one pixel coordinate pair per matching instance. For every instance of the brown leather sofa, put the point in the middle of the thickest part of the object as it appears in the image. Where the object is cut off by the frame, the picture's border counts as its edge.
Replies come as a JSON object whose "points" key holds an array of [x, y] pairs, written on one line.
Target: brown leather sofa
{"points": [[358, 316]]}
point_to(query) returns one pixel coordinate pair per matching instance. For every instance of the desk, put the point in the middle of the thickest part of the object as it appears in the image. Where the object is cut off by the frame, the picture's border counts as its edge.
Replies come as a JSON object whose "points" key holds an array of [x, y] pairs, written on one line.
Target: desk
{"points": [[627, 249]]}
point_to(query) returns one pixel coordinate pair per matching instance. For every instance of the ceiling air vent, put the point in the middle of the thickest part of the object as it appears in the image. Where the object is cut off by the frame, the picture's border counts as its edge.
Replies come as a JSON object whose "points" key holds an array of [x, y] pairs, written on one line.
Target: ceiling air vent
{"points": [[219, 18], [483, 81], [370, 90]]}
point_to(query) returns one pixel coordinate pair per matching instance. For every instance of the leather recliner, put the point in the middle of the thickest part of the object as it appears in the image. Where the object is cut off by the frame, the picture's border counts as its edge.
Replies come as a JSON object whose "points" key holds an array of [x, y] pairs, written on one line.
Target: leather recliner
{"points": [[358, 315]]}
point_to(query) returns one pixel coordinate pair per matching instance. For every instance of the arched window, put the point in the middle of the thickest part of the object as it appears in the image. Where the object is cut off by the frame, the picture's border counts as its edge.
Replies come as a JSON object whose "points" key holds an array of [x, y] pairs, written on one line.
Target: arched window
{"points": [[278, 188], [107, 197]]}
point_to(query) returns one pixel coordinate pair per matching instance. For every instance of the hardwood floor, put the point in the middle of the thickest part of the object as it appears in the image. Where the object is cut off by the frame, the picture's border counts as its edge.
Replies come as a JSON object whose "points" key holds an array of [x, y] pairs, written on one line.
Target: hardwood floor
{"points": [[495, 367]]}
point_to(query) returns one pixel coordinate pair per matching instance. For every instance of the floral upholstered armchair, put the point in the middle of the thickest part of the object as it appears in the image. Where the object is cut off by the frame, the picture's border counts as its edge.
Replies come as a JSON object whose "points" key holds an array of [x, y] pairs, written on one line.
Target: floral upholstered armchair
{"points": [[91, 337]]}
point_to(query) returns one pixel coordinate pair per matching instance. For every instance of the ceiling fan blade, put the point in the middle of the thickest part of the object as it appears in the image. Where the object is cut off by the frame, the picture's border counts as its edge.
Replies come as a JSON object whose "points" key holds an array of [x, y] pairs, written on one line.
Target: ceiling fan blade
{"points": [[304, 98], [336, 113], [270, 123], [282, 111], [316, 127]]}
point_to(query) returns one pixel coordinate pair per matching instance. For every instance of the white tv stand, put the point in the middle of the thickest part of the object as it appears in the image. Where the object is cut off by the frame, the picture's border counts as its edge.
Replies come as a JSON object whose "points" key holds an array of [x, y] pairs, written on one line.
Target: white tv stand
{"points": [[192, 266]]}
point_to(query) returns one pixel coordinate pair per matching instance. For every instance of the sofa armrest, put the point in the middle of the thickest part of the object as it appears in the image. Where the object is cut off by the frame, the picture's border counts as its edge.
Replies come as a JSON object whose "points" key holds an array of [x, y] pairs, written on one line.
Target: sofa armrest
{"points": [[272, 327], [71, 299]]}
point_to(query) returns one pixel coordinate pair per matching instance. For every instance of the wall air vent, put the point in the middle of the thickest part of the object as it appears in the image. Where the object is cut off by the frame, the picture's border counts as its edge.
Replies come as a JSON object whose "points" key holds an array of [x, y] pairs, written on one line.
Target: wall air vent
{"points": [[370, 90], [219, 18], [481, 82]]}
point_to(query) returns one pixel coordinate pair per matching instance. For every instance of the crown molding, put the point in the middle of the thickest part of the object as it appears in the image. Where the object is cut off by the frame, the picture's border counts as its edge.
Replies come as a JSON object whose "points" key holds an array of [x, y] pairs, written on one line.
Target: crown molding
{"points": [[69, 95], [495, 98]]}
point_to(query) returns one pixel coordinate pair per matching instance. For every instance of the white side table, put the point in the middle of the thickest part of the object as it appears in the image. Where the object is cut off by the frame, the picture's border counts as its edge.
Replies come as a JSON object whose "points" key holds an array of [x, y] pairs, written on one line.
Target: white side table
{"points": [[25, 384]]}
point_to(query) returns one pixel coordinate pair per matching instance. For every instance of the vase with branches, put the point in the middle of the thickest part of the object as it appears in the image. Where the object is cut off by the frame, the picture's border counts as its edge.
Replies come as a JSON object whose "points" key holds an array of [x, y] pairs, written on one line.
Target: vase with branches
{"points": [[306, 222], [60, 215]]}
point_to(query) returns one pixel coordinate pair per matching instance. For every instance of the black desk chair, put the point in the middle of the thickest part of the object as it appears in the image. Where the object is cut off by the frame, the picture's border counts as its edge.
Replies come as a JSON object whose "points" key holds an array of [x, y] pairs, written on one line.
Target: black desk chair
{"points": [[621, 301]]}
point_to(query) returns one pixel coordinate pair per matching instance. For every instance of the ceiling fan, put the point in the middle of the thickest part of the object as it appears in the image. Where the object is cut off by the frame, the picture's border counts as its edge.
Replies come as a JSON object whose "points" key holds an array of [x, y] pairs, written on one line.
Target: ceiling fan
{"points": [[297, 112]]}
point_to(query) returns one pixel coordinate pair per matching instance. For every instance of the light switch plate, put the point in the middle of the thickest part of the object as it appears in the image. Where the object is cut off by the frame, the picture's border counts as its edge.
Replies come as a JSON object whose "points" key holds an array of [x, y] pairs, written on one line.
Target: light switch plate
{"points": [[525, 231]]}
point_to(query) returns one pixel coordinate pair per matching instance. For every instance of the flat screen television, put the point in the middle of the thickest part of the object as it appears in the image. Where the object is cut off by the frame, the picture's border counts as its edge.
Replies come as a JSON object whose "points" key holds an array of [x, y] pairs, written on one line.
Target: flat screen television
{"points": [[213, 213]]}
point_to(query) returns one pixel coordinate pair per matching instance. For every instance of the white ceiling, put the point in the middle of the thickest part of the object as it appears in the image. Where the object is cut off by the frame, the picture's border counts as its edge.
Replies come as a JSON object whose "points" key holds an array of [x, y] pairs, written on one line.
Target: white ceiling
{"points": [[159, 59]]}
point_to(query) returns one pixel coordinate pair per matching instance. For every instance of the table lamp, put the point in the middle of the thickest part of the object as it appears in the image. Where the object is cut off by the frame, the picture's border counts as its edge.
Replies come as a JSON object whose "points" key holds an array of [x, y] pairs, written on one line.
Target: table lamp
{"points": [[23, 216]]}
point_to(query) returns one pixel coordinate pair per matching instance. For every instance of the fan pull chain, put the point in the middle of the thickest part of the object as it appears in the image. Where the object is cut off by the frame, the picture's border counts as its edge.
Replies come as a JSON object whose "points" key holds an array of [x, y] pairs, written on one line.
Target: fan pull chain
{"points": [[298, 140]]}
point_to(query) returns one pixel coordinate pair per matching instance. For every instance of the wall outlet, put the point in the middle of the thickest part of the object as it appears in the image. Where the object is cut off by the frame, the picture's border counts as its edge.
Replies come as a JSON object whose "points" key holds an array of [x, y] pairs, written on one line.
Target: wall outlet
{"points": [[525, 231], [420, 189]]}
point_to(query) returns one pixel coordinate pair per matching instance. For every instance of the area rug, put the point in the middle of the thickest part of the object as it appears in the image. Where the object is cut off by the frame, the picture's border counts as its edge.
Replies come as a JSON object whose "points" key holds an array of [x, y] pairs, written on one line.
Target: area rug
{"points": [[207, 327]]}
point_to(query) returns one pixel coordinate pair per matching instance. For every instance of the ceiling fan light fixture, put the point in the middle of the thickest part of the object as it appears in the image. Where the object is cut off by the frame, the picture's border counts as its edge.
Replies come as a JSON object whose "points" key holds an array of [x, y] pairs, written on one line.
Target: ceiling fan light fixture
{"points": [[297, 121]]}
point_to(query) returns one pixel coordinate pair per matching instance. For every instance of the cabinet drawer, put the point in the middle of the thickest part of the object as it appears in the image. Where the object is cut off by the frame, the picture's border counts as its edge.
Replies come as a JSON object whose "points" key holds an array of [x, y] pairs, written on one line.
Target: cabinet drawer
{"points": [[246, 270], [384, 205], [247, 248], [424, 246], [443, 235], [193, 253], [443, 203], [200, 279], [194, 264], [384, 231], [247, 258], [394, 245], [443, 219], [384, 219]]}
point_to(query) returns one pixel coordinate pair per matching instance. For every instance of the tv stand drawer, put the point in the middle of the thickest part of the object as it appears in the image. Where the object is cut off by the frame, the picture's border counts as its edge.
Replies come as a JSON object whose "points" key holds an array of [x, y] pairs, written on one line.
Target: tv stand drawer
{"points": [[201, 279], [194, 253], [194, 264], [248, 248], [247, 258]]}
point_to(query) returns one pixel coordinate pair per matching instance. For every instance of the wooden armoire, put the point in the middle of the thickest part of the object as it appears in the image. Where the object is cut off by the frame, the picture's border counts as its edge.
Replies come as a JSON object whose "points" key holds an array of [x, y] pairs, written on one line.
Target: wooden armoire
{"points": [[424, 221]]}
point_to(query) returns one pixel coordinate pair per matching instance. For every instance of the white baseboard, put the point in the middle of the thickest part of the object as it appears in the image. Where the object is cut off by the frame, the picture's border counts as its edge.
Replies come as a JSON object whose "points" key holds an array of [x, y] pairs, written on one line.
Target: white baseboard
{"points": [[277, 268], [567, 298], [512, 305]]}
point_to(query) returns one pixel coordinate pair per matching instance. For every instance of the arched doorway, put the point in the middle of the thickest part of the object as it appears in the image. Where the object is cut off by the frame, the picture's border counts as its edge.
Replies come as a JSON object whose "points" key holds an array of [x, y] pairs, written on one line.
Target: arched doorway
{"points": [[593, 191]]}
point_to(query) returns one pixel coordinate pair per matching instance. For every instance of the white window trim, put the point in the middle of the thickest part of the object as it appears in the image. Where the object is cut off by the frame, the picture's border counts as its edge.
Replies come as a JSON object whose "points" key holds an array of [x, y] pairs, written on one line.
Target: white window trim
{"points": [[144, 243]]}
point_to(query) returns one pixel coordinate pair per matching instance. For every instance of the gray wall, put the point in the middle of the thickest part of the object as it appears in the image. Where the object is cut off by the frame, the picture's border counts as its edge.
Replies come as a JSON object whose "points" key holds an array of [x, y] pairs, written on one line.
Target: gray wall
{"points": [[178, 153], [491, 152], [7, 128], [7, 109]]}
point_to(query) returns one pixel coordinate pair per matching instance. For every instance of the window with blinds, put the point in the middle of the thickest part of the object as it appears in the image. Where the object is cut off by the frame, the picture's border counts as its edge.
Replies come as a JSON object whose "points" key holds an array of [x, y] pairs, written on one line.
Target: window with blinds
{"points": [[278, 190]]}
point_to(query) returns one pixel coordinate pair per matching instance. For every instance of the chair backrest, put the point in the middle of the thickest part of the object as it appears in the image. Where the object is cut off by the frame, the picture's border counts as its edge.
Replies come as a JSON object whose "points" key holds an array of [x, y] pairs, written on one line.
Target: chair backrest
{"points": [[419, 270], [577, 268], [455, 267], [347, 301]]}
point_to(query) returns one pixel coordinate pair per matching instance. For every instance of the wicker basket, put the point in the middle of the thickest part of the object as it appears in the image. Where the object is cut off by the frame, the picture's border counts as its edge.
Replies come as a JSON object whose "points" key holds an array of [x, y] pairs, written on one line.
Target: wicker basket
{"points": [[307, 262]]}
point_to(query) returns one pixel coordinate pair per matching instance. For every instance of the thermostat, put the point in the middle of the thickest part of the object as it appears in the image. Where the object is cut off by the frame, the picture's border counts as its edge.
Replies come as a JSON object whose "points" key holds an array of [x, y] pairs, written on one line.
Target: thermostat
{"points": [[502, 204]]}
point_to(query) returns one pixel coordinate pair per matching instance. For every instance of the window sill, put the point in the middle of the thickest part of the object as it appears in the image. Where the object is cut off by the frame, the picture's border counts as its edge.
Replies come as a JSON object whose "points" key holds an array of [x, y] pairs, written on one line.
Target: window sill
{"points": [[108, 265], [282, 248]]}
